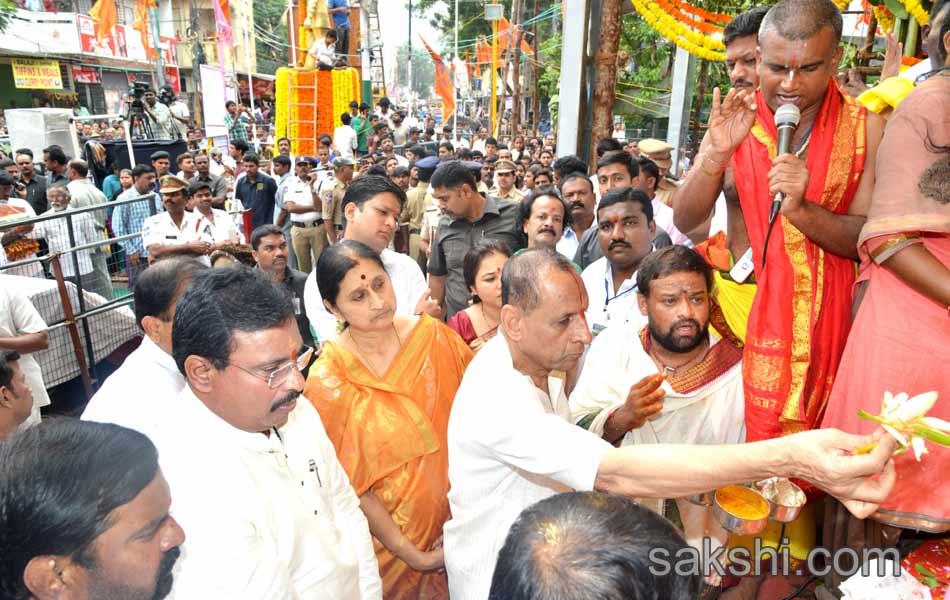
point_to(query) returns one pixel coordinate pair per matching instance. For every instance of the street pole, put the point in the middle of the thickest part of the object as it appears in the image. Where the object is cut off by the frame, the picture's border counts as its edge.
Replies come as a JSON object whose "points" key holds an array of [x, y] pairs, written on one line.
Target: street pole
{"points": [[455, 115], [156, 42], [291, 25], [494, 73], [250, 78], [409, 61]]}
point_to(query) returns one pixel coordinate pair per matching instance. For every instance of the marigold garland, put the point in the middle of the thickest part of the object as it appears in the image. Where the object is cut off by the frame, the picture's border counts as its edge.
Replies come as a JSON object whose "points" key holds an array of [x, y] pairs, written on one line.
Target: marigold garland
{"points": [[693, 42], [885, 19], [703, 14], [917, 11], [688, 20], [310, 103], [282, 102]]}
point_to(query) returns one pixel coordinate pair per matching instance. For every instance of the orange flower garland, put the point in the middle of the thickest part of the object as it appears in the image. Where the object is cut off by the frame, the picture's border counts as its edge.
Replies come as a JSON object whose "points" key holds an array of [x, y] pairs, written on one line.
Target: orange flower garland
{"points": [[694, 42], [688, 20], [324, 102], [703, 14]]}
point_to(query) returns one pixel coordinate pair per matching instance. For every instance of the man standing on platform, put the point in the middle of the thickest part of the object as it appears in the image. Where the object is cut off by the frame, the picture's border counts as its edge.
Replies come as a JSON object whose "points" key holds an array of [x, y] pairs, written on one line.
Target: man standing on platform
{"points": [[801, 314]]}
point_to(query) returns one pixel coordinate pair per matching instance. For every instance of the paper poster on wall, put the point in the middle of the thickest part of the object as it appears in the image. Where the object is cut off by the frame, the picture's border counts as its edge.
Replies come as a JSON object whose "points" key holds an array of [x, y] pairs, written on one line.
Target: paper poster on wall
{"points": [[215, 91]]}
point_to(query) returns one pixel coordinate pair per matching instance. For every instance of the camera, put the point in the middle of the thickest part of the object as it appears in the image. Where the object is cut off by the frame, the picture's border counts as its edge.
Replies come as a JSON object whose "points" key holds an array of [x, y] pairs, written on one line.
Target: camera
{"points": [[137, 92]]}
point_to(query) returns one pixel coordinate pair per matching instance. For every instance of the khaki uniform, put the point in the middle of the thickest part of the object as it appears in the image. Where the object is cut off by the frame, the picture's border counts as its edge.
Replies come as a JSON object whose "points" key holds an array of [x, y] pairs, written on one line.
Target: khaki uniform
{"points": [[664, 191], [513, 195], [412, 214], [331, 193]]}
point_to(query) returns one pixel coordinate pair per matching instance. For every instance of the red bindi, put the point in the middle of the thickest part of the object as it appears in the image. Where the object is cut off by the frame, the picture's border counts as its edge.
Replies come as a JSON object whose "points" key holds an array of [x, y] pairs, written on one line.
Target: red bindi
{"points": [[362, 276], [615, 220]]}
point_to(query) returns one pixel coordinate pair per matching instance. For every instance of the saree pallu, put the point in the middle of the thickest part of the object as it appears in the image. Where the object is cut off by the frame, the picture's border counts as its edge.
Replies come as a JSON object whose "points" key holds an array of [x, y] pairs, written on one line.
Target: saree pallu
{"points": [[390, 437], [801, 314]]}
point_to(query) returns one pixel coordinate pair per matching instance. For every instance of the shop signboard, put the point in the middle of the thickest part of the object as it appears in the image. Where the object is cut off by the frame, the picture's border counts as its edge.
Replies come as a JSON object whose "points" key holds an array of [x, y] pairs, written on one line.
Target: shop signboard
{"points": [[40, 33], [86, 75], [36, 74], [172, 79]]}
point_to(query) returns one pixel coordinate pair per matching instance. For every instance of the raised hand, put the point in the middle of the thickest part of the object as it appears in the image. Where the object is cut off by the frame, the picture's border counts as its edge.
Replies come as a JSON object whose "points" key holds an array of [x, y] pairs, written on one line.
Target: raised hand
{"points": [[893, 51], [644, 401], [730, 121]]}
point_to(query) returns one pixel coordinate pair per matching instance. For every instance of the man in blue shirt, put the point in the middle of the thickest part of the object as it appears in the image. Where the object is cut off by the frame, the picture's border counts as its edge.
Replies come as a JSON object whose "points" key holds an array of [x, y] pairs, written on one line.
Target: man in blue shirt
{"points": [[129, 218], [256, 191], [340, 11]]}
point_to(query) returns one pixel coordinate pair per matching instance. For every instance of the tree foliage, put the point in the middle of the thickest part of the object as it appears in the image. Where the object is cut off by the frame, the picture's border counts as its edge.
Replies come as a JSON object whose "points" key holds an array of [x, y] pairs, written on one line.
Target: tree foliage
{"points": [[268, 15], [423, 70], [7, 9]]}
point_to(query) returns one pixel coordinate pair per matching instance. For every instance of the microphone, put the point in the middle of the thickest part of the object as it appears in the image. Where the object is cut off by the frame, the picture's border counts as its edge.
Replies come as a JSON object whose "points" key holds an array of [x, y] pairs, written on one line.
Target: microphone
{"points": [[786, 120]]}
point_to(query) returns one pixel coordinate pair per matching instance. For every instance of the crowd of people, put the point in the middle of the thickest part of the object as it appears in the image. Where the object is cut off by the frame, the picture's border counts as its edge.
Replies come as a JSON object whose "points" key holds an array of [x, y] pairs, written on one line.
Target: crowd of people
{"points": [[477, 369]]}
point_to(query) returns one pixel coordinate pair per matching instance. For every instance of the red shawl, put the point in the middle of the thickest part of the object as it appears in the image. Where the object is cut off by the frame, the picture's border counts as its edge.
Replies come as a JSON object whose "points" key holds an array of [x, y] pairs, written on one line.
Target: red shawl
{"points": [[802, 311]]}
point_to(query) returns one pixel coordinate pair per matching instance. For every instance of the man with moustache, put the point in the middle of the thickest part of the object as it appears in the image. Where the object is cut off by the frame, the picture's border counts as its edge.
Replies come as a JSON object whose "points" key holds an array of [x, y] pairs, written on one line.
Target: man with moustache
{"points": [[173, 231], [799, 320], [625, 232], [544, 218], [730, 240], [219, 187], [673, 380], [511, 442], [505, 176], [57, 236], [84, 510], [270, 250], [577, 190], [269, 511]]}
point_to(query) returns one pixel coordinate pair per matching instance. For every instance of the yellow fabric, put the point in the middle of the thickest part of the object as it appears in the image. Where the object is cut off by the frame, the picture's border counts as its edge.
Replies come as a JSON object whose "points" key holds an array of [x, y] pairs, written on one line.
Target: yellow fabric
{"points": [[391, 438], [886, 94], [735, 300]]}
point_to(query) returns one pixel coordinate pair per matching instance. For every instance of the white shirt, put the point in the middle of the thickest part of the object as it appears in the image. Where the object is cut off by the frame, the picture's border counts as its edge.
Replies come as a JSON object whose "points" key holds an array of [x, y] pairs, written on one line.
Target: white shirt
{"points": [[160, 229], [18, 316], [124, 400], [663, 217], [267, 517], [345, 140], [300, 193], [510, 445], [606, 305], [32, 269], [568, 243], [220, 229], [324, 53], [407, 280], [56, 233]]}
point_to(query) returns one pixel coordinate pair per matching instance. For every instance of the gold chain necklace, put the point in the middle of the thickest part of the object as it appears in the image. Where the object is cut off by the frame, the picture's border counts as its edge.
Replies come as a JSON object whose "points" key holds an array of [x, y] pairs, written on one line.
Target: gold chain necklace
{"points": [[362, 356]]}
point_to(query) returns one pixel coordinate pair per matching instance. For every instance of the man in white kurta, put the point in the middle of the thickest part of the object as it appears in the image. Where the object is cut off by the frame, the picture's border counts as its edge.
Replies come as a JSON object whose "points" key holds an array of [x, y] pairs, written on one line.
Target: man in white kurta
{"points": [[23, 329]]}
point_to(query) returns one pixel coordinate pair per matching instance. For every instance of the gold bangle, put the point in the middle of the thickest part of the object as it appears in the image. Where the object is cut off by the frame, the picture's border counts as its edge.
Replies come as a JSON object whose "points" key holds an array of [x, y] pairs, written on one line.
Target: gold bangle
{"points": [[720, 166]]}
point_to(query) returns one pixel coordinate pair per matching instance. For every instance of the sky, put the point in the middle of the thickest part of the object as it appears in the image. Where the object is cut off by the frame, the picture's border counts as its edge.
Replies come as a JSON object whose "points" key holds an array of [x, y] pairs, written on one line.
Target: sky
{"points": [[394, 23]]}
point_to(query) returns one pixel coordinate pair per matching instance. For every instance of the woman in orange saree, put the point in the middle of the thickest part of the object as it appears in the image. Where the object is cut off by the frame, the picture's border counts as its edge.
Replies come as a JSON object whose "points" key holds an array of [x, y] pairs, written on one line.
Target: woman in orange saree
{"points": [[384, 390]]}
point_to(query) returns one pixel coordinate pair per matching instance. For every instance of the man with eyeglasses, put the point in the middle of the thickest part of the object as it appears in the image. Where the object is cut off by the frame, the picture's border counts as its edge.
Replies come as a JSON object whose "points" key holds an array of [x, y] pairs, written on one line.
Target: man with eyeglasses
{"points": [[256, 485]]}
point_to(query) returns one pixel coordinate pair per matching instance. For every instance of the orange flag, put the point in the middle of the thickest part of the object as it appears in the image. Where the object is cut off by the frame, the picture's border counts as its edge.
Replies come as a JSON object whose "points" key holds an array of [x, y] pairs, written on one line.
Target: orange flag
{"points": [[444, 86], [140, 24], [105, 16], [506, 36]]}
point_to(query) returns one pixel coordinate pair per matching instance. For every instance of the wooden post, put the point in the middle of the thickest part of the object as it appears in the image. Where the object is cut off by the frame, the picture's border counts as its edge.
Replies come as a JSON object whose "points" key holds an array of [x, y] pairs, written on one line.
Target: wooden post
{"points": [[518, 17], [605, 82], [71, 324]]}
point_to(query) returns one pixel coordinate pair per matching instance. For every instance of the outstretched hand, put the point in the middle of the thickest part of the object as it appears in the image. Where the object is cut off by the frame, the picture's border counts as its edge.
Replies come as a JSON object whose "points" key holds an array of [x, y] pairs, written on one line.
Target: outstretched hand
{"points": [[828, 459], [730, 120]]}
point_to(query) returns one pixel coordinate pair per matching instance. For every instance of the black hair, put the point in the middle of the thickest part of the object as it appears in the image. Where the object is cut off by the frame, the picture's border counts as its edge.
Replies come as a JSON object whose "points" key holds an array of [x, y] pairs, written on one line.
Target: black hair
{"points": [[603, 550], [141, 169], [346, 118], [197, 185], [183, 156], [527, 203], [240, 145], [26, 151], [280, 159], [283, 139], [221, 302], [336, 261], [569, 164], [566, 179], [366, 187], [521, 277], [474, 257], [464, 154], [252, 157], [430, 131], [6, 371], [453, 174], [380, 126], [7, 162], [62, 483], [802, 19], [940, 53], [325, 140], [448, 146], [161, 285], [607, 145], [399, 171], [377, 170], [627, 194], [650, 168], [744, 24], [332, 33], [490, 141], [670, 260], [55, 153], [419, 151], [620, 157], [230, 103], [262, 231]]}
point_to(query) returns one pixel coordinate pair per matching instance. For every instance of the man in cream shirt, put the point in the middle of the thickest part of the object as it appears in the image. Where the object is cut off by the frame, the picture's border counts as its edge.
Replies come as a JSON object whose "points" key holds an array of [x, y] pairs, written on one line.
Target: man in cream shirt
{"points": [[511, 443], [135, 396], [266, 507]]}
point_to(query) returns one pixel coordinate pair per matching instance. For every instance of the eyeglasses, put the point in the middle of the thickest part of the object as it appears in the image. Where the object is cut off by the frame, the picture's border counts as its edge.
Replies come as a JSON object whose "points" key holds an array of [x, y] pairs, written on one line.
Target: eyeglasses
{"points": [[278, 376]]}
